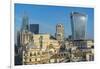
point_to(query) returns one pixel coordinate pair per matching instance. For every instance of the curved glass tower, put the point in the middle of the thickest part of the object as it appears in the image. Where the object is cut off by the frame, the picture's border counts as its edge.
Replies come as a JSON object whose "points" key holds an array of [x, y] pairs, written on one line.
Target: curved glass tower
{"points": [[78, 23]]}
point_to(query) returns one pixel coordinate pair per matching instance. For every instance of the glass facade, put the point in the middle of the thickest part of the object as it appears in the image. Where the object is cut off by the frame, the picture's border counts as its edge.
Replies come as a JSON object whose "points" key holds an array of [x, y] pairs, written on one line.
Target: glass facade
{"points": [[78, 23], [25, 24], [34, 28]]}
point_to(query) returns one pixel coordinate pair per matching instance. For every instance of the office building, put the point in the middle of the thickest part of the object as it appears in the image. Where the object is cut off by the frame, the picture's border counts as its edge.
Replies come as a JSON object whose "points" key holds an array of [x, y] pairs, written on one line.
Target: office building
{"points": [[78, 24], [59, 32], [25, 23], [34, 28]]}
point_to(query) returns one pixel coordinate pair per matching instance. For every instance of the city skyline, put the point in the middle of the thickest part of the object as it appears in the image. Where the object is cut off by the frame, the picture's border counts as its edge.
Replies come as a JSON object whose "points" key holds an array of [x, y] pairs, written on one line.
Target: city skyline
{"points": [[53, 34], [49, 16]]}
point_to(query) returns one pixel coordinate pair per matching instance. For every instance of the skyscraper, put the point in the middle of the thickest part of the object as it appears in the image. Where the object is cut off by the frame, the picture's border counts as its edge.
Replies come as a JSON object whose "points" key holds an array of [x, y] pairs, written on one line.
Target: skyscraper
{"points": [[59, 32], [25, 34], [34, 28], [25, 24], [78, 24]]}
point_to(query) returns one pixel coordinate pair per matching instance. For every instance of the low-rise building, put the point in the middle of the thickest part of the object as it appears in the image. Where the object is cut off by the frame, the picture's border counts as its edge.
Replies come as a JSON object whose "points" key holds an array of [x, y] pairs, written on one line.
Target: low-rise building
{"points": [[33, 55], [42, 41]]}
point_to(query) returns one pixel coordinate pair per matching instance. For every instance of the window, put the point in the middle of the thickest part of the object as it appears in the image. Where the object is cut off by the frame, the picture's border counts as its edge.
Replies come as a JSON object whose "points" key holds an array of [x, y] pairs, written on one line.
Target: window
{"points": [[59, 25], [30, 59], [58, 34], [35, 59], [38, 53], [34, 54], [30, 54]]}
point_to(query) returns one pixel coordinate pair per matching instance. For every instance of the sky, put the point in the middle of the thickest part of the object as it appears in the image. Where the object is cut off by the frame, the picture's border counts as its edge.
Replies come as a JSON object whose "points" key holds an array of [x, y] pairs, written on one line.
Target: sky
{"points": [[48, 17]]}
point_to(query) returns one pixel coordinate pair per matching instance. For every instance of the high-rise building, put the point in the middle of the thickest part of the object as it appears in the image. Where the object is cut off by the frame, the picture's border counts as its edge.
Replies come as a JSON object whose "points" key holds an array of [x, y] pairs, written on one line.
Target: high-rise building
{"points": [[59, 32], [25, 35], [25, 24], [78, 24], [34, 28]]}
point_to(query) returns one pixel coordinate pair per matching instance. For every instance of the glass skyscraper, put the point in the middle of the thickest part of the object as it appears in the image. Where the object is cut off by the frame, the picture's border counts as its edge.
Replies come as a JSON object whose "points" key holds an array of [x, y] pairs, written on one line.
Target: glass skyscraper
{"points": [[78, 25], [34, 28], [25, 24]]}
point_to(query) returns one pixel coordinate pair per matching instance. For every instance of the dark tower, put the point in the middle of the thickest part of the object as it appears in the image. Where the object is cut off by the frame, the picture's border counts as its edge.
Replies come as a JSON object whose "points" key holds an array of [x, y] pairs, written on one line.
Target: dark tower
{"points": [[34, 28]]}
